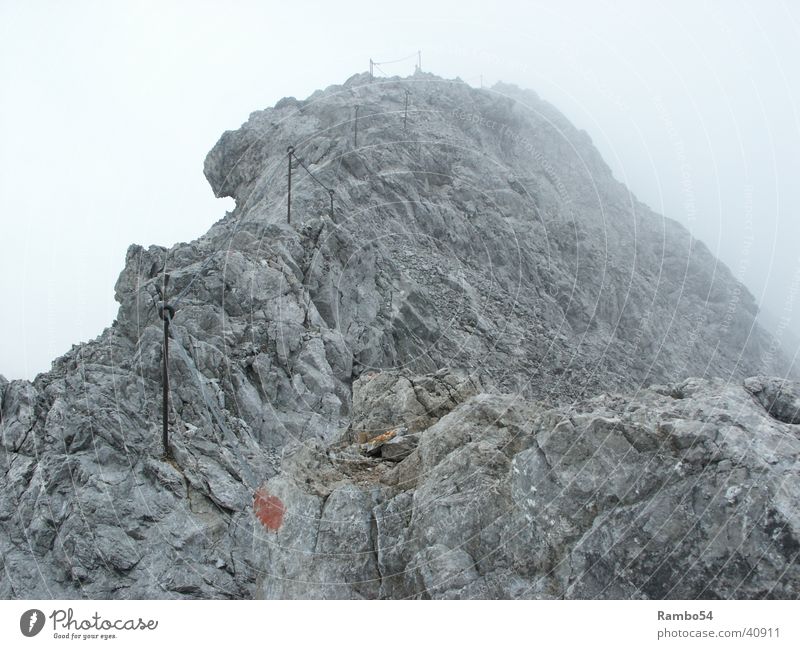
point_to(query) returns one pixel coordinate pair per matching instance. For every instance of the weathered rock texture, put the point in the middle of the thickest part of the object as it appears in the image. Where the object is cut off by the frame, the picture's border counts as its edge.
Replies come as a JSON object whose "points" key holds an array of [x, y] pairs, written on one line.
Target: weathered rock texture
{"points": [[688, 490], [478, 262]]}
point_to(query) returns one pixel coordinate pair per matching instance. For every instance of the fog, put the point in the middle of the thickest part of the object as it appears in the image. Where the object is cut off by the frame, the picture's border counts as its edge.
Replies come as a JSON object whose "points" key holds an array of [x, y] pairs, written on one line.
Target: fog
{"points": [[108, 109]]}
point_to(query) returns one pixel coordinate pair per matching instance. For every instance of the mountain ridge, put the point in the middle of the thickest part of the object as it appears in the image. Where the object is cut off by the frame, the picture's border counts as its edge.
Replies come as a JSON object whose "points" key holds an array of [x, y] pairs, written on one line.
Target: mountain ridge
{"points": [[483, 240]]}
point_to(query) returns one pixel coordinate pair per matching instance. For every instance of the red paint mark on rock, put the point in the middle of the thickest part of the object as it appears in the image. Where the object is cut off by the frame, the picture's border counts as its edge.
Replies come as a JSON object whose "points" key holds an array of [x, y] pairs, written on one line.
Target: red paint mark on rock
{"points": [[268, 509]]}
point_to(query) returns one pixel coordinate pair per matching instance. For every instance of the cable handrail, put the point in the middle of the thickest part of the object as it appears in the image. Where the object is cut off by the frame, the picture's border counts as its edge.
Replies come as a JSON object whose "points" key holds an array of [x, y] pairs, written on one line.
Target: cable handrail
{"points": [[291, 154], [310, 173], [405, 58], [377, 64]]}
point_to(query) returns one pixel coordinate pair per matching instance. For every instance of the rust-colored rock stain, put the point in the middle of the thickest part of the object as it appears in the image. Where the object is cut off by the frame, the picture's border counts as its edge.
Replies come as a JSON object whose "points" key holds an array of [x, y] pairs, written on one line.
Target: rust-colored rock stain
{"points": [[268, 509]]}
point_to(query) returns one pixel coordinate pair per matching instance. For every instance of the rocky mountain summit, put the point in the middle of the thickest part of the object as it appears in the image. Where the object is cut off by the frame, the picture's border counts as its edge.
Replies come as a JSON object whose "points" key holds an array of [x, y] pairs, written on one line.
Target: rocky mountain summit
{"points": [[414, 387]]}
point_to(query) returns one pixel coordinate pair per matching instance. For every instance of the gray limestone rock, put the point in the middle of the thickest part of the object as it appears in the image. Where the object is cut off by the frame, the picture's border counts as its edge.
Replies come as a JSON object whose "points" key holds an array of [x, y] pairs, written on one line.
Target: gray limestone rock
{"points": [[780, 397], [399, 448], [644, 496], [482, 276]]}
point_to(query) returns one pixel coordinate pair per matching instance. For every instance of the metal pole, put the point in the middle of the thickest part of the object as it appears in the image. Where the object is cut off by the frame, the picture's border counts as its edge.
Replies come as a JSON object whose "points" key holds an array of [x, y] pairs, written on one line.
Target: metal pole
{"points": [[290, 151], [330, 193], [419, 60], [370, 69], [166, 312], [165, 390], [355, 134]]}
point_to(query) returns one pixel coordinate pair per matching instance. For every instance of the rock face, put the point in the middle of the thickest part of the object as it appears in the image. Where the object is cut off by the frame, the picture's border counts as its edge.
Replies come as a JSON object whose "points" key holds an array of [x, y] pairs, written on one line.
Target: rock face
{"points": [[780, 397], [481, 274], [690, 490]]}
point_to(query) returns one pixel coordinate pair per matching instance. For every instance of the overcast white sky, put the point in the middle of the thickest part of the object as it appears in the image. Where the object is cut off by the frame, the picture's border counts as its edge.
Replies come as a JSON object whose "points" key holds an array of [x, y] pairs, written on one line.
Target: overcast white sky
{"points": [[107, 110]]}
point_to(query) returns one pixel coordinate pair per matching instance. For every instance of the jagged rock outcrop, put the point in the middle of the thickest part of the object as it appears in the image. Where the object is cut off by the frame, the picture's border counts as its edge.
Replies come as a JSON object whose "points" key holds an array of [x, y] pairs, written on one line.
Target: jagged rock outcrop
{"points": [[780, 397], [484, 250], [690, 490]]}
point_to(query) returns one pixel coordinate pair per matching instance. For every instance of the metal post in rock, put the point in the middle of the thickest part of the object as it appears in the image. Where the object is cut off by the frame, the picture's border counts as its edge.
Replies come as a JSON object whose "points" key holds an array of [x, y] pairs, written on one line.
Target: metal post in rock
{"points": [[290, 152], [166, 313]]}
